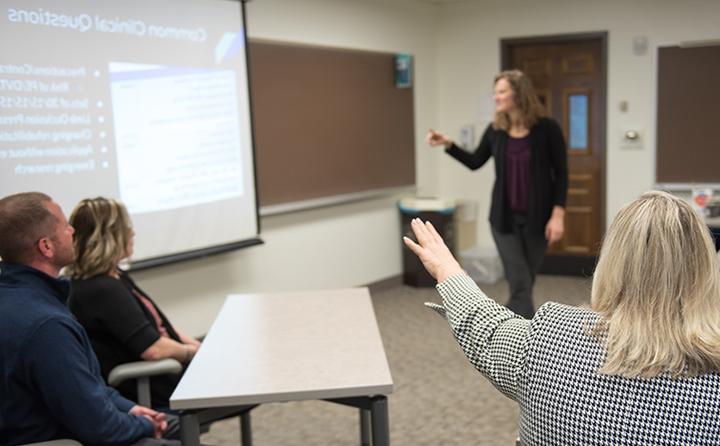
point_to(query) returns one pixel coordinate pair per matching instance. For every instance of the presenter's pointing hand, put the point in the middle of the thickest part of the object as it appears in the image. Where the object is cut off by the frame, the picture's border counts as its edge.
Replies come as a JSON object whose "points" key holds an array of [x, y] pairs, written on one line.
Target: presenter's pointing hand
{"points": [[437, 139], [432, 251]]}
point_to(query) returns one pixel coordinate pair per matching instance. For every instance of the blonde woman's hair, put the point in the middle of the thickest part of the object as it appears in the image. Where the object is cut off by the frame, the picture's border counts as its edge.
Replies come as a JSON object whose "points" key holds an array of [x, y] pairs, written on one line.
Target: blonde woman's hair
{"points": [[102, 232], [524, 97], [656, 288]]}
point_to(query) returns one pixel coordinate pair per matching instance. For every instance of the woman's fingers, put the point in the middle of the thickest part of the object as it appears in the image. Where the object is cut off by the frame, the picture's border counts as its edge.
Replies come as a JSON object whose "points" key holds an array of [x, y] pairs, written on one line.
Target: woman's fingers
{"points": [[431, 135], [432, 251], [425, 256], [421, 232], [556, 236], [414, 247], [433, 232], [553, 232], [426, 233], [434, 138], [549, 233]]}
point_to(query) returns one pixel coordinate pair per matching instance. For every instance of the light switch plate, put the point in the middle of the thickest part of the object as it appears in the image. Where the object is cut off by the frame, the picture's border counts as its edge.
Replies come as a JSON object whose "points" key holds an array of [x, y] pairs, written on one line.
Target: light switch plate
{"points": [[467, 136]]}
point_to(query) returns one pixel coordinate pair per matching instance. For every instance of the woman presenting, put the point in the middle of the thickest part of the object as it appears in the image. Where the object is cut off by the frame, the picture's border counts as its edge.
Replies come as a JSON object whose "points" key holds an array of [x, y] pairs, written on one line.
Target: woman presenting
{"points": [[528, 197]]}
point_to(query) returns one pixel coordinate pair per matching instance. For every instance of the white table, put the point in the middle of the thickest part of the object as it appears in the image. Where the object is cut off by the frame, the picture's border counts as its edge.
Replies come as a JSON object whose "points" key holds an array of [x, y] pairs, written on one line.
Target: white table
{"points": [[278, 347]]}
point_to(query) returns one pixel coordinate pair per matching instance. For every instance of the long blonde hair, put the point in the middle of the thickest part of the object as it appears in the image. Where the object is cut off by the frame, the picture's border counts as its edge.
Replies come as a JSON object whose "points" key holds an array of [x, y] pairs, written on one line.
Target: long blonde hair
{"points": [[657, 290], [524, 97], [102, 232]]}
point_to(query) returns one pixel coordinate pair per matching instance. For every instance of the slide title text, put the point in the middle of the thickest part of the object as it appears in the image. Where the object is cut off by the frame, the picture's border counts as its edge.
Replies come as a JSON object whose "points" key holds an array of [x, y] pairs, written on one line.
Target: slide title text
{"points": [[88, 22]]}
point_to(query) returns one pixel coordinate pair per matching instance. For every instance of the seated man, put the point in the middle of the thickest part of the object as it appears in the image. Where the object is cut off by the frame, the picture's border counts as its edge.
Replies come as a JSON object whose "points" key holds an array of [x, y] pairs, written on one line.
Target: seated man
{"points": [[50, 383]]}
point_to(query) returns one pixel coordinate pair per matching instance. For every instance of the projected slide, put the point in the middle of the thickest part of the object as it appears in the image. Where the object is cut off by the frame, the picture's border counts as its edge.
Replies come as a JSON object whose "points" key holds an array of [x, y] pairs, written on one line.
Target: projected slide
{"points": [[145, 101], [174, 111], [44, 128]]}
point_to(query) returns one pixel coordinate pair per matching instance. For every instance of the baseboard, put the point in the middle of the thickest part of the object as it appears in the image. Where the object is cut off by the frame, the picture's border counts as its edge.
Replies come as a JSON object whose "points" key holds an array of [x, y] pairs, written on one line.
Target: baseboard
{"points": [[384, 284], [557, 265]]}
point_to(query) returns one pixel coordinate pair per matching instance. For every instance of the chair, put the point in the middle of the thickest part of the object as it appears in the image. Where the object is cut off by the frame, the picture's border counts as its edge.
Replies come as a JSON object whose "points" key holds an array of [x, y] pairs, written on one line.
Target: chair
{"points": [[142, 371]]}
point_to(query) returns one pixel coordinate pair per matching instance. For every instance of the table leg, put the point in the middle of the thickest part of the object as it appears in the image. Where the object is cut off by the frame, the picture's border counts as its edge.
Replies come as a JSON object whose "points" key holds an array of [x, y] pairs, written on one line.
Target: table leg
{"points": [[189, 430], [364, 427], [380, 423], [245, 429]]}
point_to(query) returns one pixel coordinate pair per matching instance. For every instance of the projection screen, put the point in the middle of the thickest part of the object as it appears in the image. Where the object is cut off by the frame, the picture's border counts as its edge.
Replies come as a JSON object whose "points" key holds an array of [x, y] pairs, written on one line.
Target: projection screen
{"points": [[146, 101]]}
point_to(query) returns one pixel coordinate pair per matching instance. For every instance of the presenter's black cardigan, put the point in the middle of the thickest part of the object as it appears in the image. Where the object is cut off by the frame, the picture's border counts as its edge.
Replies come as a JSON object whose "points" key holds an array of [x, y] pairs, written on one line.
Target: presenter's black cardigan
{"points": [[548, 172]]}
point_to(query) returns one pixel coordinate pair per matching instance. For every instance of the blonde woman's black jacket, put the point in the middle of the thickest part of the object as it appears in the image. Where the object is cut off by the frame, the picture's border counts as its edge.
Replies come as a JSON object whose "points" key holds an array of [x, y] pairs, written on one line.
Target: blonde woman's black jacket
{"points": [[548, 170], [120, 328]]}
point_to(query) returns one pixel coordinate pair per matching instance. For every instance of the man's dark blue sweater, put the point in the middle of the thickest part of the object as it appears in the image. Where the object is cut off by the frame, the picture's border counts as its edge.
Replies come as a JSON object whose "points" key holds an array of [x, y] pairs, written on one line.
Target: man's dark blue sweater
{"points": [[50, 382]]}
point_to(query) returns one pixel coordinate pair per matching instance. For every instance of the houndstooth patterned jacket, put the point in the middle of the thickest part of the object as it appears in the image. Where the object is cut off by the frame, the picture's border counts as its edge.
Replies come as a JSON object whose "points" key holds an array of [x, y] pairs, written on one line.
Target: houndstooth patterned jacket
{"points": [[549, 366]]}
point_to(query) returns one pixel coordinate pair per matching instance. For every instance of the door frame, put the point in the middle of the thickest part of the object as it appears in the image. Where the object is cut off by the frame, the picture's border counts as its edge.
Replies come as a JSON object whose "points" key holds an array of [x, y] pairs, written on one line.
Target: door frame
{"points": [[562, 264]]}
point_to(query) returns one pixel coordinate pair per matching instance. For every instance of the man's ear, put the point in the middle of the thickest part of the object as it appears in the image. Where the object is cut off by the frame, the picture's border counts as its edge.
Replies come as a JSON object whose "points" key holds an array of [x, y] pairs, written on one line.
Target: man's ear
{"points": [[45, 247]]}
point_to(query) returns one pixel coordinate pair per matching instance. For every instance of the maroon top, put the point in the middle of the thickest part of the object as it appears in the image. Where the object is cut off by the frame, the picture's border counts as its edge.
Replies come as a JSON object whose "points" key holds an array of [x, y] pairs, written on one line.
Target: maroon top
{"points": [[155, 314], [517, 159]]}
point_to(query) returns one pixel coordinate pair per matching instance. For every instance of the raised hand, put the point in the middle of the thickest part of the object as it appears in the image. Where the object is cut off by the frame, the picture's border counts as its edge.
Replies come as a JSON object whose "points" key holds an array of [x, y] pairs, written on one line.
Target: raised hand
{"points": [[432, 251]]}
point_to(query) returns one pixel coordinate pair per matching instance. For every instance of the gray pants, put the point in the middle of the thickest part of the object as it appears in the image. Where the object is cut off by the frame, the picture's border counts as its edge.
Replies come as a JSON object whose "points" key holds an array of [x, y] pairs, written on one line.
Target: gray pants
{"points": [[521, 252]]}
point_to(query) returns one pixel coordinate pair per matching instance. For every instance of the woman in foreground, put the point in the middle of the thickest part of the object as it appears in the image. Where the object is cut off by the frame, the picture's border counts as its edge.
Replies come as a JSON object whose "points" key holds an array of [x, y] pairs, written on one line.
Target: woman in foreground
{"points": [[123, 323], [638, 368]]}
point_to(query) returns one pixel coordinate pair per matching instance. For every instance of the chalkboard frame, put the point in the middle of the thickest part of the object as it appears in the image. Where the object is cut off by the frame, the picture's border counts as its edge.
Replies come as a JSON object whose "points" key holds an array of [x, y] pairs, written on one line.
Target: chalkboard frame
{"points": [[687, 111], [330, 125]]}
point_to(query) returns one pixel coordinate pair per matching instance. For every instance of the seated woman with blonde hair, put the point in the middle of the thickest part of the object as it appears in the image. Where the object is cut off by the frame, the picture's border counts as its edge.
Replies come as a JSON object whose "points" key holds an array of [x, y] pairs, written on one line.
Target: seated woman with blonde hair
{"points": [[122, 321], [641, 367]]}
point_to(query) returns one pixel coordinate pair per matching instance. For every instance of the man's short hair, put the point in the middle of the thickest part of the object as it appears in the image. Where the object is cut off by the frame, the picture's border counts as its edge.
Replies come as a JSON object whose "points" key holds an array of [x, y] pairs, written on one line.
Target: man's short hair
{"points": [[24, 219]]}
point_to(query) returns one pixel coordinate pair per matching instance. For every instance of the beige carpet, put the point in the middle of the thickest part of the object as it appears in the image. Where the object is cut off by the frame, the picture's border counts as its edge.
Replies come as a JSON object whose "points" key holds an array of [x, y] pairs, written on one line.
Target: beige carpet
{"points": [[439, 398]]}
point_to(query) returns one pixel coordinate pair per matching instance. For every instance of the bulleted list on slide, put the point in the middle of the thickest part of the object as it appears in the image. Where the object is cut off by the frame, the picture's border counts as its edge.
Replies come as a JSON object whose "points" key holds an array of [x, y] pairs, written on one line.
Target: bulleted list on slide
{"points": [[155, 120], [47, 123]]}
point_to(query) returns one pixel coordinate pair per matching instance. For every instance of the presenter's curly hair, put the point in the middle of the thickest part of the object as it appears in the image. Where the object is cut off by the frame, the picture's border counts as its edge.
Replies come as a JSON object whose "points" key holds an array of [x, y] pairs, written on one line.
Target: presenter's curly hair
{"points": [[24, 219], [657, 290], [102, 232], [524, 97]]}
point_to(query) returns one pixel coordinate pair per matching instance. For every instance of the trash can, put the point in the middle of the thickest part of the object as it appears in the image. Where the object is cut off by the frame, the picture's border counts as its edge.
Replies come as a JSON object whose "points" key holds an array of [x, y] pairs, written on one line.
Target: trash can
{"points": [[482, 264], [438, 212]]}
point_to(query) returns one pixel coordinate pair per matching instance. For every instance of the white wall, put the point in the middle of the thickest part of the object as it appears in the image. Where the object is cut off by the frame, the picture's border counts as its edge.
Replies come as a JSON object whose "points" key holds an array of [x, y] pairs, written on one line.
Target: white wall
{"points": [[338, 246], [469, 56], [456, 48]]}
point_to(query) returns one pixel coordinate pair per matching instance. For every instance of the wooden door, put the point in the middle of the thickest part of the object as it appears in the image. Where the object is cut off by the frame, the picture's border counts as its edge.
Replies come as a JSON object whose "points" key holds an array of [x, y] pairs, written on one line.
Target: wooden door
{"points": [[569, 74]]}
